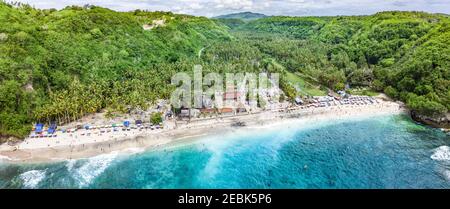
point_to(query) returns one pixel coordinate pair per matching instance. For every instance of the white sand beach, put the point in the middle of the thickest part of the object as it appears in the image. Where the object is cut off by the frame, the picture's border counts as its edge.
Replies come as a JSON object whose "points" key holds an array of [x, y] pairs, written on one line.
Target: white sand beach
{"points": [[78, 145]]}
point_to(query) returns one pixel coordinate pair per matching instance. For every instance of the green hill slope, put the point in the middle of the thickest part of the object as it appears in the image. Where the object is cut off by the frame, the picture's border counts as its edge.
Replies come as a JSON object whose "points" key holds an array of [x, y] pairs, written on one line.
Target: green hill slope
{"points": [[404, 54], [60, 65]]}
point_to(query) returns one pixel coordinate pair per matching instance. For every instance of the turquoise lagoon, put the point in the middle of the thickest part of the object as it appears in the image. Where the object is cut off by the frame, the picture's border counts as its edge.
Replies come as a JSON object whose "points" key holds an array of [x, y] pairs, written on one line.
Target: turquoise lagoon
{"points": [[376, 152]]}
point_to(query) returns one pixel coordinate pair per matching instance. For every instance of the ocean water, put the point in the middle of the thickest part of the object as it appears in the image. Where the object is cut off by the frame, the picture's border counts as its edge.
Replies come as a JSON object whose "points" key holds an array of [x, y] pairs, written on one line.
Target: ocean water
{"points": [[378, 152]]}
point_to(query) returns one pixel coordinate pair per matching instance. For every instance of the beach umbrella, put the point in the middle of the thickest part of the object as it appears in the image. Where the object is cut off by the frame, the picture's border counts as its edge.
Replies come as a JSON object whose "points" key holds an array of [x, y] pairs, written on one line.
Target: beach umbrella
{"points": [[39, 128]]}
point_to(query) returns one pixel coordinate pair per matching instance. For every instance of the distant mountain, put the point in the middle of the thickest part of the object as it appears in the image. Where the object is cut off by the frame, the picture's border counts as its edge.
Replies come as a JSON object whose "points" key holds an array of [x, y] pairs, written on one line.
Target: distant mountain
{"points": [[246, 16]]}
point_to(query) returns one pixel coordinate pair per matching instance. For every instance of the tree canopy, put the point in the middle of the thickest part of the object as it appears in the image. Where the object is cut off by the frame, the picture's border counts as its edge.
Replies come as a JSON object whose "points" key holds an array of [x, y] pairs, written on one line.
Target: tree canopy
{"points": [[59, 65]]}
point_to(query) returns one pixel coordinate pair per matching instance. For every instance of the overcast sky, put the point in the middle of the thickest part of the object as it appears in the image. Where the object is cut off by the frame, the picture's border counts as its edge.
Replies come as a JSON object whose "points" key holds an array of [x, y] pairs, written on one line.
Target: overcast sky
{"points": [[269, 7]]}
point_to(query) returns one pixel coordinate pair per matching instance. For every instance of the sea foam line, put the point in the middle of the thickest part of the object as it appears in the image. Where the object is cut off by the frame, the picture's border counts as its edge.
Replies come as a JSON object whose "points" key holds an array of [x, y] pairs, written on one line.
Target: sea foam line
{"points": [[441, 153], [92, 168], [32, 178]]}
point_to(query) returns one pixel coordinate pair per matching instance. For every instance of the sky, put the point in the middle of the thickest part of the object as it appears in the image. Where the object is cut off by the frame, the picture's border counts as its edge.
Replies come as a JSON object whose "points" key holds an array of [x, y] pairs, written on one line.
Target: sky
{"points": [[211, 8]]}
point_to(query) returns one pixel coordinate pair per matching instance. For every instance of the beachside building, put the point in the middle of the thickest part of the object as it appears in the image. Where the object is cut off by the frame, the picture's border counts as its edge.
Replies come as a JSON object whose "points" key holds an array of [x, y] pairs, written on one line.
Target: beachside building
{"points": [[184, 113], [207, 102], [195, 113], [189, 113], [241, 108], [230, 97], [226, 111], [253, 104], [207, 110]]}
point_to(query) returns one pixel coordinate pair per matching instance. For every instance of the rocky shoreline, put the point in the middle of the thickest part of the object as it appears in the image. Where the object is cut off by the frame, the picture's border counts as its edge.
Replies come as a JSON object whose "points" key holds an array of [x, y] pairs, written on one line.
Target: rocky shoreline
{"points": [[442, 122]]}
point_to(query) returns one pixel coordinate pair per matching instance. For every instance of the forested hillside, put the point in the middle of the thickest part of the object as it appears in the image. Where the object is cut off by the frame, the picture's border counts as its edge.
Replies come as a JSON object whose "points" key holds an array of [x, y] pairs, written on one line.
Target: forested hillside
{"points": [[61, 65], [404, 54]]}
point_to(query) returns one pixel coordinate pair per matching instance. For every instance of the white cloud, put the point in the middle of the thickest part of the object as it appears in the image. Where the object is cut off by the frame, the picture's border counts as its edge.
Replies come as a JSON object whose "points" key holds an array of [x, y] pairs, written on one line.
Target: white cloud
{"points": [[234, 4], [269, 7]]}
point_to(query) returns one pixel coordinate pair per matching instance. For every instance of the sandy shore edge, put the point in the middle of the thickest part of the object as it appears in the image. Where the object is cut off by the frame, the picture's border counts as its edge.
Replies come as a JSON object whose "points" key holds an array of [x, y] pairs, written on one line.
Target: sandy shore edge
{"points": [[190, 132]]}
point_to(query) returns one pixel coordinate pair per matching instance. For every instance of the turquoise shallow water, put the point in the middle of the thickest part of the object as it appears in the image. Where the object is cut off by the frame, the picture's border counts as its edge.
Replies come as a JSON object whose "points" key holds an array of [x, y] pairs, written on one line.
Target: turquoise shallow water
{"points": [[380, 152]]}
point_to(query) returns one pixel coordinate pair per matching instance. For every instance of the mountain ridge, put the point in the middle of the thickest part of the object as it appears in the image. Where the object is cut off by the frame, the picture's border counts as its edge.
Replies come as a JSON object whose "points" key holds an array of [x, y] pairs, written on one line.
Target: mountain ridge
{"points": [[247, 16]]}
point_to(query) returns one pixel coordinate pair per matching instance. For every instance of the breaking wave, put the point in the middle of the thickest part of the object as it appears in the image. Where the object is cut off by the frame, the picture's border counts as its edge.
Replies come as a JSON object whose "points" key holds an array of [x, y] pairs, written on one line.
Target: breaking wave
{"points": [[92, 168], [32, 178], [70, 164], [441, 153], [134, 150], [446, 174]]}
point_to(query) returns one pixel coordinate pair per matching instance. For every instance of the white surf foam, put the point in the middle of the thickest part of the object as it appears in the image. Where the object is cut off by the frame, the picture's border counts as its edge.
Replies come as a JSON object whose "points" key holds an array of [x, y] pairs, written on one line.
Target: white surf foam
{"points": [[441, 153], [134, 150], [446, 174], [32, 178], [92, 168], [70, 164]]}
